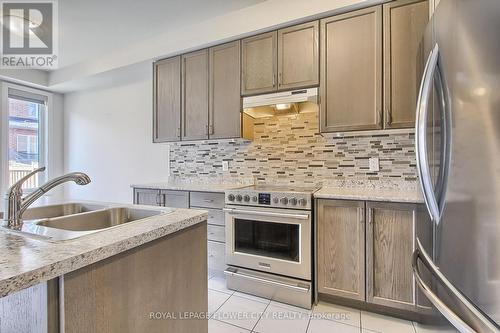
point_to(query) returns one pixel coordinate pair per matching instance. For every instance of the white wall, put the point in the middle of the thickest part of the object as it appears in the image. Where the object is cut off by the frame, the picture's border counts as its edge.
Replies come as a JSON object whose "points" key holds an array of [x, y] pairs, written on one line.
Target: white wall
{"points": [[55, 145], [108, 130], [108, 135]]}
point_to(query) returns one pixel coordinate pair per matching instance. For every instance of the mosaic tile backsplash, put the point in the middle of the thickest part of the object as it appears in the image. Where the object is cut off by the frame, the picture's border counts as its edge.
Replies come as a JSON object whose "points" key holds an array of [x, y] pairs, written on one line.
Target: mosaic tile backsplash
{"points": [[289, 149]]}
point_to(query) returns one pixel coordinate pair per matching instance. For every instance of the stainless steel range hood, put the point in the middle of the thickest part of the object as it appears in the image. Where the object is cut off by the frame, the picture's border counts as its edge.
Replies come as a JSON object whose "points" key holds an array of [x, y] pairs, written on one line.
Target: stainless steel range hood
{"points": [[281, 99]]}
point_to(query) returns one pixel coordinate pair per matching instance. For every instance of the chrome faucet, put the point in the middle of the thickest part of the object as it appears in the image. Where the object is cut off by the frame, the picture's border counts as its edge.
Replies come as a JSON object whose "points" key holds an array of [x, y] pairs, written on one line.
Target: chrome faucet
{"points": [[15, 204]]}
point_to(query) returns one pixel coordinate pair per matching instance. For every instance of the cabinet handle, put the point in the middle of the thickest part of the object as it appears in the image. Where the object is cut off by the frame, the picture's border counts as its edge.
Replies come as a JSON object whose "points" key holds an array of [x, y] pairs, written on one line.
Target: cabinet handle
{"points": [[274, 80], [389, 116], [211, 129], [380, 114], [207, 128], [361, 212], [178, 132], [159, 200], [280, 79]]}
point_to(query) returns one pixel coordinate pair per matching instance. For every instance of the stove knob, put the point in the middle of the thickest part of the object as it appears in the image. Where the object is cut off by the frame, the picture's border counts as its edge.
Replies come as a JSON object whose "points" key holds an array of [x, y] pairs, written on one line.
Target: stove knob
{"points": [[284, 201], [302, 202], [238, 197], [246, 198], [275, 200], [230, 197], [293, 201], [254, 198]]}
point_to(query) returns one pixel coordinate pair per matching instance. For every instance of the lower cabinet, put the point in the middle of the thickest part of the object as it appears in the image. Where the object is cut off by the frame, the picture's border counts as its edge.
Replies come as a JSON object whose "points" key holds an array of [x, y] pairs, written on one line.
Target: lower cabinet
{"points": [[216, 231], [216, 256], [213, 202], [370, 262], [145, 196], [119, 293], [341, 248], [390, 243], [178, 199], [165, 198]]}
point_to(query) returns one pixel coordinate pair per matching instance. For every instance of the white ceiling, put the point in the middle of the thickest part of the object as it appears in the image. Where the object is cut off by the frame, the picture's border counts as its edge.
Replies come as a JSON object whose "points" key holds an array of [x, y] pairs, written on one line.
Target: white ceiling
{"points": [[91, 28], [108, 41]]}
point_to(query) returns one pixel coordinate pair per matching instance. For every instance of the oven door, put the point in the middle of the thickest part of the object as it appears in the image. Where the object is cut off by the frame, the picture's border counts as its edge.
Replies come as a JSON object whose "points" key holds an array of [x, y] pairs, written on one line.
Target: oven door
{"points": [[271, 240]]}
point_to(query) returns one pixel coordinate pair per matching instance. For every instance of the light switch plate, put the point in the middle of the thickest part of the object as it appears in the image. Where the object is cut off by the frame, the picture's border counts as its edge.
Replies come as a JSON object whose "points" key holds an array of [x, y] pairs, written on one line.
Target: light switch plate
{"points": [[225, 165], [374, 164]]}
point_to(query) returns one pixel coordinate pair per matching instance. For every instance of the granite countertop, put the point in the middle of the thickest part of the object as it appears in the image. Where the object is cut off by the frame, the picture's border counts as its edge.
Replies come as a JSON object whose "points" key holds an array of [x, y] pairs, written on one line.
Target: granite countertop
{"points": [[370, 194], [27, 260], [349, 190], [191, 186]]}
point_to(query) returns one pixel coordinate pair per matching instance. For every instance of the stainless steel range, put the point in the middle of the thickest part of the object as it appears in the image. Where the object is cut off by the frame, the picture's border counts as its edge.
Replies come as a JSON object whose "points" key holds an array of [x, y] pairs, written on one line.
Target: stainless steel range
{"points": [[268, 242]]}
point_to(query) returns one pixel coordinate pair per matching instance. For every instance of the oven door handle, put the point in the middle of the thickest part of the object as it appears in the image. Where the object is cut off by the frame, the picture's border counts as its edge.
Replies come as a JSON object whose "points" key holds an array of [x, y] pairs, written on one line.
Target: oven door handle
{"points": [[269, 214]]}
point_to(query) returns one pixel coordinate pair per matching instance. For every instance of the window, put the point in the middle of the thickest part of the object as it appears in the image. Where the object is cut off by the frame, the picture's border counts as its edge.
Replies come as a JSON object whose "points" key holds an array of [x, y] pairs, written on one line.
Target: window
{"points": [[26, 114], [27, 144]]}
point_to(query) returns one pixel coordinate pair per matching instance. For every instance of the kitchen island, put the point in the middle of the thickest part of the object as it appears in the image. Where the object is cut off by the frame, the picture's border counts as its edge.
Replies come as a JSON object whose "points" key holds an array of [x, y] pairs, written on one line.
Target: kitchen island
{"points": [[118, 279]]}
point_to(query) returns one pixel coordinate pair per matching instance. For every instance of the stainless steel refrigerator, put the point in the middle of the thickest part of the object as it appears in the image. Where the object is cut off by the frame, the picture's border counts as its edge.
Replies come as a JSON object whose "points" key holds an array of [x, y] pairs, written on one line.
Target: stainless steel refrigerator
{"points": [[458, 159]]}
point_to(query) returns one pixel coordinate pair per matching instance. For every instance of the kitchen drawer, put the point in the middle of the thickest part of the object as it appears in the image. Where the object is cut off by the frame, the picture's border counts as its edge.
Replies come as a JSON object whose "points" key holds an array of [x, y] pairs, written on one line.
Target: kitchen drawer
{"points": [[216, 256], [178, 199], [207, 199], [215, 216], [216, 233], [145, 196]]}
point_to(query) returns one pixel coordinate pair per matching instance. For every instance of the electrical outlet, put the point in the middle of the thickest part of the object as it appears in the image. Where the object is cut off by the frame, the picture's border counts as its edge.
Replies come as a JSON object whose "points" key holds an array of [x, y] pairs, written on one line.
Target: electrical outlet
{"points": [[374, 164], [225, 165]]}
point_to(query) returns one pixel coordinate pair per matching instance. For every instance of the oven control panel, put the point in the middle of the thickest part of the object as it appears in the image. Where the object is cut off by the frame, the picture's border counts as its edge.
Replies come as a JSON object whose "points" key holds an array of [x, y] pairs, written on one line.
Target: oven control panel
{"points": [[264, 199], [244, 197]]}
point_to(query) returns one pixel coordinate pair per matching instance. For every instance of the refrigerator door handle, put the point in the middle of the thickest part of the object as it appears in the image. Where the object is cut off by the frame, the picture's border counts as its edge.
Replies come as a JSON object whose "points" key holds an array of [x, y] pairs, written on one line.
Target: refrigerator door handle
{"points": [[421, 134], [421, 255]]}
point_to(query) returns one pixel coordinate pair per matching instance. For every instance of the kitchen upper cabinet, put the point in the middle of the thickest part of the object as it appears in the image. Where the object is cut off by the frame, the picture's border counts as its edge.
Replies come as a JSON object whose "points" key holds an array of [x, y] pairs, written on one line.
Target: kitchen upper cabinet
{"points": [[281, 60], [351, 71], [404, 26], [259, 64], [224, 94], [167, 100], [298, 56], [341, 248], [390, 244], [194, 115]]}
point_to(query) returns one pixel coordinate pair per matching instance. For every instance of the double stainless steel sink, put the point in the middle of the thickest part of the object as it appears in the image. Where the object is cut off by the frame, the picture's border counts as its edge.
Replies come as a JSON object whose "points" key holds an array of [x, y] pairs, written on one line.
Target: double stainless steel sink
{"points": [[72, 220]]}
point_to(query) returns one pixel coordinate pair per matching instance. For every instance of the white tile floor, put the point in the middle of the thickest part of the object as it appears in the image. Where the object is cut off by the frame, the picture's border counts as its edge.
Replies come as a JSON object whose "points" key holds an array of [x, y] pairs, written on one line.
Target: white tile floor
{"points": [[235, 312]]}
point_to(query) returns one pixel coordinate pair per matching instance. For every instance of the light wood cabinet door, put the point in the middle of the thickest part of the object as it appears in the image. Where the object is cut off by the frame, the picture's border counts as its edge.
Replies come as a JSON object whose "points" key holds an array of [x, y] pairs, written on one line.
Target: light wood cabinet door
{"points": [[390, 244], [167, 100], [259, 64], [224, 96], [194, 115], [216, 256], [404, 27], [178, 199], [298, 56], [117, 294], [341, 248], [351, 71], [145, 196]]}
